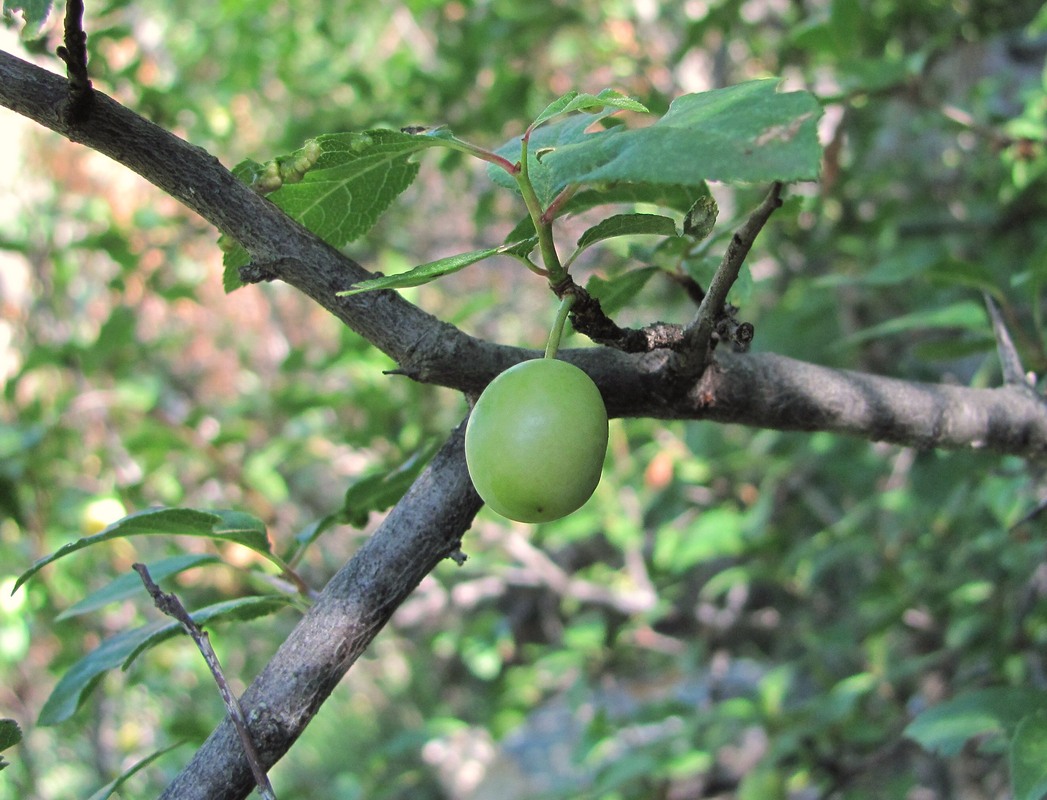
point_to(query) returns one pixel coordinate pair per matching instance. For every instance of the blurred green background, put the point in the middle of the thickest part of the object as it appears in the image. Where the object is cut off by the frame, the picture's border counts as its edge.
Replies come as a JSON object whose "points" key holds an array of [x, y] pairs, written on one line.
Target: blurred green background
{"points": [[737, 613]]}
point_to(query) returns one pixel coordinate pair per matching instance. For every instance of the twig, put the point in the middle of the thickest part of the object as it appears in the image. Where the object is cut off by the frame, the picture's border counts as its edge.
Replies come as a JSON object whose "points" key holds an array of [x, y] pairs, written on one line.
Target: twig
{"points": [[74, 53], [699, 334], [1010, 362], [170, 604], [589, 319]]}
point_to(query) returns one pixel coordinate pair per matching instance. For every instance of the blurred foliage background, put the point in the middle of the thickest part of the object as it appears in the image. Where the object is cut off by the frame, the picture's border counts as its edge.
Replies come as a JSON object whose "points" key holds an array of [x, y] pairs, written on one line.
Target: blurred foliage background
{"points": [[740, 613]]}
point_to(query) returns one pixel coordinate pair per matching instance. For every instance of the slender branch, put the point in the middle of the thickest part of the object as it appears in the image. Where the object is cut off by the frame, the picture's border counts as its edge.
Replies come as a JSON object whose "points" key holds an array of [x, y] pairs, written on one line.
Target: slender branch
{"points": [[74, 53], [422, 530], [763, 389], [170, 604], [1010, 361], [700, 332], [426, 526]]}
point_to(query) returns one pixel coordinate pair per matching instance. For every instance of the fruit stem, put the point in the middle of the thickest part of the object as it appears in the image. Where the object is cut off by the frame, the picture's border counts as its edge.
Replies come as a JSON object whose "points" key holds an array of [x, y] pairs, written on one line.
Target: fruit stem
{"points": [[557, 330]]}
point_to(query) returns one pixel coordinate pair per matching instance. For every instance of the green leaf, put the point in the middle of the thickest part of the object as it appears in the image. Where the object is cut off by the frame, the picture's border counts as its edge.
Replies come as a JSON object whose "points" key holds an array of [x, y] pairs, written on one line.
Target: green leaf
{"points": [[350, 184], [702, 270], [676, 197], [701, 218], [383, 490], [749, 132], [130, 584], [35, 13], [945, 728], [547, 184], [966, 314], [229, 526], [110, 788], [966, 273], [717, 533], [122, 649], [241, 609], [573, 101], [425, 273], [667, 196], [616, 293], [627, 225], [1028, 757], [10, 735]]}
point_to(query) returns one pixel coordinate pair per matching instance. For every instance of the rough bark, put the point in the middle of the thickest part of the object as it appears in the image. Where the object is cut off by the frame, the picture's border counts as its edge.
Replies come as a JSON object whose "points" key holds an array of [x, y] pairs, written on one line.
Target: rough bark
{"points": [[764, 390], [422, 530], [759, 389]]}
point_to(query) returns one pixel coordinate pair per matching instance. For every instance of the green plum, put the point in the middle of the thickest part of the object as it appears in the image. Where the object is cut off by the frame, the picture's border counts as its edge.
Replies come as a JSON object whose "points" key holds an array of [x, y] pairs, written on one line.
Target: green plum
{"points": [[536, 440]]}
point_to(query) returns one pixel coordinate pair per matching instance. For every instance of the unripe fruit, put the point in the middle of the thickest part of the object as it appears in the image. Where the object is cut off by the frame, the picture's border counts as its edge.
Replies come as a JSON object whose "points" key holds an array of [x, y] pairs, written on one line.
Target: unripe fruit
{"points": [[536, 440]]}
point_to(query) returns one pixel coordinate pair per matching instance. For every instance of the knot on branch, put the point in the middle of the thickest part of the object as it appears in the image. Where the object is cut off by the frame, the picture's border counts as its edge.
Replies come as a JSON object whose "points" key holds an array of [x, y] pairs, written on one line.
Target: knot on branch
{"points": [[74, 53], [589, 318]]}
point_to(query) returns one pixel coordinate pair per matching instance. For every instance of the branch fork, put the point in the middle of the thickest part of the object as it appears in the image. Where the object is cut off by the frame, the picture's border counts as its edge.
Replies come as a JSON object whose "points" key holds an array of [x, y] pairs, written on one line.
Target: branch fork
{"points": [[715, 321]]}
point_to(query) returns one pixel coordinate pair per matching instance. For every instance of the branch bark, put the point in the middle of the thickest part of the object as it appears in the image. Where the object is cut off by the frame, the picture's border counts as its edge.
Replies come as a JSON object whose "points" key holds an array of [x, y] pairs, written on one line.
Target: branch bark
{"points": [[763, 390], [422, 530], [759, 389]]}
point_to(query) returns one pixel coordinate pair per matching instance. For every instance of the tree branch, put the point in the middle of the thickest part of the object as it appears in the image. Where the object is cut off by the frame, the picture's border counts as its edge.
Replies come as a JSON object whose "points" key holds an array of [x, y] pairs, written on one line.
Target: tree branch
{"points": [[698, 337], [762, 390], [170, 604], [424, 528], [74, 53]]}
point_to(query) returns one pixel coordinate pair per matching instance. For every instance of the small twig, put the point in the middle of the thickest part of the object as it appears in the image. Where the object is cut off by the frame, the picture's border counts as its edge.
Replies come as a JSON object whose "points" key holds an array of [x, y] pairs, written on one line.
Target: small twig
{"points": [[1010, 362], [694, 290], [170, 605], [74, 54], [699, 334], [589, 319]]}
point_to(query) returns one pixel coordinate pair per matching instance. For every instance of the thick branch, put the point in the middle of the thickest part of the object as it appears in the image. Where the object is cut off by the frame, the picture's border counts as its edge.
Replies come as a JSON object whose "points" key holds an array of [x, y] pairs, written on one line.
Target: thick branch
{"points": [[422, 530], [762, 390], [795, 395], [198, 180]]}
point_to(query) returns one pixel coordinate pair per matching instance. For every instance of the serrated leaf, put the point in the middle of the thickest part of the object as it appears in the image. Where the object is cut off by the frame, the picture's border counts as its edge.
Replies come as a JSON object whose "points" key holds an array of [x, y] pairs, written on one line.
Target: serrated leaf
{"points": [[226, 525], [700, 219], [10, 735], [668, 196], [1028, 757], [424, 273], [574, 101], [547, 184], [616, 293], [383, 490], [110, 788], [130, 584], [241, 609], [676, 197], [945, 728], [35, 13], [353, 181], [627, 225], [121, 650], [749, 132]]}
